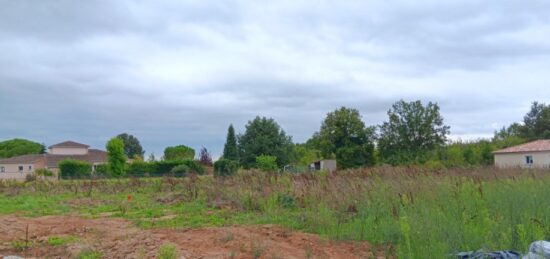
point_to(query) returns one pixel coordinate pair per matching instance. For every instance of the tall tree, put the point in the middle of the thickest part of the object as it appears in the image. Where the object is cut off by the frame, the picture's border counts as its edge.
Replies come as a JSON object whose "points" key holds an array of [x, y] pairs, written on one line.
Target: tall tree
{"points": [[412, 131], [18, 147], [179, 152], [116, 157], [132, 147], [536, 123], [204, 157], [264, 136], [343, 135], [230, 150]]}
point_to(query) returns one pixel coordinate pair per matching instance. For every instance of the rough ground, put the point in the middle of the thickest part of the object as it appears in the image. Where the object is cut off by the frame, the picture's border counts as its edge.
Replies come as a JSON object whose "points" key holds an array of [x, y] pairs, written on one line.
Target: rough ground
{"points": [[118, 238]]}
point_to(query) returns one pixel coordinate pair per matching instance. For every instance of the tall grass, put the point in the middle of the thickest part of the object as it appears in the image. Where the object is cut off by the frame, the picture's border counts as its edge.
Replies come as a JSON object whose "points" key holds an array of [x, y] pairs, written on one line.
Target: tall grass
{"points": [[412, 212]]}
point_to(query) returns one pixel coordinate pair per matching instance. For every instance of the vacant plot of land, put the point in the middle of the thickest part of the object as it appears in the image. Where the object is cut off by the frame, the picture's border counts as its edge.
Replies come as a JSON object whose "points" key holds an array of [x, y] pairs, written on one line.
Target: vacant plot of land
{"points": [[67, 236], [399, 212]]}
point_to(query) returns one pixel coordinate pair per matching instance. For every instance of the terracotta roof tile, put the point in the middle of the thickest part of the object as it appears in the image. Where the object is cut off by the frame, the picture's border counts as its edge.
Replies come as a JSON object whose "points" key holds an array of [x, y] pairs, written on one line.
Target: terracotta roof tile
{"points": [[535, 146], [24, 159]]}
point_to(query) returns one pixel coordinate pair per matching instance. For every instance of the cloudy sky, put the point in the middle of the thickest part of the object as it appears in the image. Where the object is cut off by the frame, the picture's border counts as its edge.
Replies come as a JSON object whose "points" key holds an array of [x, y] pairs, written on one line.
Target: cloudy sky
{"points": [[179, 72]]}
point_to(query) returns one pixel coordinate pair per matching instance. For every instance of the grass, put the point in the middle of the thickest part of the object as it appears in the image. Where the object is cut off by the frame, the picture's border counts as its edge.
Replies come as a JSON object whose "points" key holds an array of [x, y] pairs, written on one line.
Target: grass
{"points": [[61, 240], [90, 254], [167, 251], [412, 212]]}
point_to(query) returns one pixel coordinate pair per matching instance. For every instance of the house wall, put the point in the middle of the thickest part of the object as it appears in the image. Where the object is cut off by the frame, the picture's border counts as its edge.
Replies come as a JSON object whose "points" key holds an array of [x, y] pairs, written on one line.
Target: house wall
{"points": [[329, 165], [11, 171], [68, 151], [540, 160]]}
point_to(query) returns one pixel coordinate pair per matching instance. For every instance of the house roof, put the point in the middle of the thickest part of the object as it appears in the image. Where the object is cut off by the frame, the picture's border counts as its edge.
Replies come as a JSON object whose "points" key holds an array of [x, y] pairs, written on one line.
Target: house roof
{"points": [[69, 144], [535, 146], [24, 159], [93, 156]]}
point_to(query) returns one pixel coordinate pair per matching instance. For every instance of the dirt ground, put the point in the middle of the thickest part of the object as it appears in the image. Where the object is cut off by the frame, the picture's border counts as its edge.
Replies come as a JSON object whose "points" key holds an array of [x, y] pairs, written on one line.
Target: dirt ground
{"points": [[118, 238]]}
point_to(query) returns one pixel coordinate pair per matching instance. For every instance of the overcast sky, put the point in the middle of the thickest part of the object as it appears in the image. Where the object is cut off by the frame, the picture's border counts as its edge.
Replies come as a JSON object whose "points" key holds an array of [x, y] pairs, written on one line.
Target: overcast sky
{"points": [[179, 72]]}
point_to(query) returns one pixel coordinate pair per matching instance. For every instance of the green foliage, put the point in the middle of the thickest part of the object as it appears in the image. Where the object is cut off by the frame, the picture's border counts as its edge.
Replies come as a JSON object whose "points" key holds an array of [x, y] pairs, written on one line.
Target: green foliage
{"points": [[464, 154], [116, 157], [132, 147], [305, 154], [74, 169], [140, 168], [18, 147], [180, 170], [89, 254], [42, 172], [167, 251], [230, 149], [536, 123], [61, 240], [180, 152], [101, 170], [225, 167], [267, 163], [343, 135], [411, 133], [263, 136]]}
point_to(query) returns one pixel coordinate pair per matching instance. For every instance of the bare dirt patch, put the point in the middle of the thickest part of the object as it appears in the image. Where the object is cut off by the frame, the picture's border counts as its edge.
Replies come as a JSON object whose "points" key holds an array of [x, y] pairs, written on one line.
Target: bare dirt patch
{"points": [[118, 238]]}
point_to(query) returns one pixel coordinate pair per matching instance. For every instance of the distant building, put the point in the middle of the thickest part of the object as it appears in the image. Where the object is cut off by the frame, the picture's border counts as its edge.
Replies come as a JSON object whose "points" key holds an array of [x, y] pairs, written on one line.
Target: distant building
{"points": [[534, 154], [326, 164], [20, 166]]}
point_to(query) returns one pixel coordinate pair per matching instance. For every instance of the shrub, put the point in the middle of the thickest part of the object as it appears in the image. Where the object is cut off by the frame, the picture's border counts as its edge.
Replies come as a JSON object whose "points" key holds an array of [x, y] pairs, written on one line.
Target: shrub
{"points": [[266, 163], [167, 251], [101, 170], [43, 172], [74, 169], [116, 157], [225, 167], [163, 167], [194, 166], [139, 168], [180, 170]]}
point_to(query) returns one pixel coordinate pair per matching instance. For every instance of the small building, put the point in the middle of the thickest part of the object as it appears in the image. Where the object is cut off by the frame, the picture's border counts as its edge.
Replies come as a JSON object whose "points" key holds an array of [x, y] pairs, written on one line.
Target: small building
{"points": [[325, 164], [534, 154], [20, 166]]}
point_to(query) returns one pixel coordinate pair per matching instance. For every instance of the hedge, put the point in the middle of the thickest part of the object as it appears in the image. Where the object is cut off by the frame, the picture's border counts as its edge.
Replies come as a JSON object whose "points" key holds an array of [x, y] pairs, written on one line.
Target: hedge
{"points": [[74, 169]]}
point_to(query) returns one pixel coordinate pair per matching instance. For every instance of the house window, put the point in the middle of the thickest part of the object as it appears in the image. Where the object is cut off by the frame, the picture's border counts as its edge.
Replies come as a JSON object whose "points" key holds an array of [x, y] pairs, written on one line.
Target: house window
{"points": [[30, 167], [2, 169], [20, 168], [529, 160]]}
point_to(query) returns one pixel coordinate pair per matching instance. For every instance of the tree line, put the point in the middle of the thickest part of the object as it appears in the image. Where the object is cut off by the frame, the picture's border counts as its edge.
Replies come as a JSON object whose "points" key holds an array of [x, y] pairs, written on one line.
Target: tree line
{"points": [[413, 134]]}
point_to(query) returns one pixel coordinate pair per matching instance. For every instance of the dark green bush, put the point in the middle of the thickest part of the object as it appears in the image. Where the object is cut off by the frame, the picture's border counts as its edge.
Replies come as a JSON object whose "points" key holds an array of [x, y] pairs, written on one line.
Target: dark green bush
{"points": [[194, 166], [74, 169], [140, 168], [163, 167], [225, 167], [101, 170], [180, 170]]}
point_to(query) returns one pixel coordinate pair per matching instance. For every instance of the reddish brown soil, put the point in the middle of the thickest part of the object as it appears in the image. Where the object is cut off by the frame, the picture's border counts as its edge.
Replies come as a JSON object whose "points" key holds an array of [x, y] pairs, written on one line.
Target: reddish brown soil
{"points": [[117, 238]]}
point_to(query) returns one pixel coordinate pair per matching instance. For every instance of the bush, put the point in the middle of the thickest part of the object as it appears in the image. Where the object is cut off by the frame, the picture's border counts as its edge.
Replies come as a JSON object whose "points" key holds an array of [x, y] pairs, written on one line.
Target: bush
{"points": [[139, 168], [167, 251], [43, 172], [101, 170], [225, 167], [194, 166], [163, 167], [74, 169], [180, 170], [267, 163]]}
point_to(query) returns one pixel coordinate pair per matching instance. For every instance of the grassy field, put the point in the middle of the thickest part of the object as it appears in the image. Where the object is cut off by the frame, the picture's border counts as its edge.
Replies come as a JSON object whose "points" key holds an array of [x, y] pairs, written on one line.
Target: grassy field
{"points": [[410, 212]]}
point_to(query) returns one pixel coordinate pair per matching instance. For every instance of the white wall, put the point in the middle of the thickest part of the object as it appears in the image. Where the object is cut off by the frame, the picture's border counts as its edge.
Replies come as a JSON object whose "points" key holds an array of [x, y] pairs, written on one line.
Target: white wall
{"points": [[68, 151], [507, 160]]}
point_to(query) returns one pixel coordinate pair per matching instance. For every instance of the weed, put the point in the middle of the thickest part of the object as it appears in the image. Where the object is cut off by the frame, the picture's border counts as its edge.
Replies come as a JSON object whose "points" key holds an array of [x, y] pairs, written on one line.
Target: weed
{"points": [[167, 251], [61, 240], [257, 249], [90, 254], [227, 237]]}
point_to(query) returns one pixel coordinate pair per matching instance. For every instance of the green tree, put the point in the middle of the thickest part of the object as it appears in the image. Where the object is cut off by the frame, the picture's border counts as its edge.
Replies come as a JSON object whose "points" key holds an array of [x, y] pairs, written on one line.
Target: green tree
{"points": [[230, 149], [266, 163], [343, 135], [116, 157], [74, 169], [536, 123], [305, 154], [179, 152], [204, 157], [18, 147], [411, 133], [132, 147], [264, 136]]}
